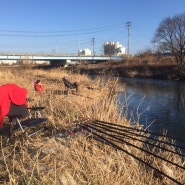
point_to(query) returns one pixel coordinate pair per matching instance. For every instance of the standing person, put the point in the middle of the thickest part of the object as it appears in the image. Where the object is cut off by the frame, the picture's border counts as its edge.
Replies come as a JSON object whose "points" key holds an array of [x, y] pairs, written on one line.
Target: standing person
{"points": [[11, 94], [39, 87]]}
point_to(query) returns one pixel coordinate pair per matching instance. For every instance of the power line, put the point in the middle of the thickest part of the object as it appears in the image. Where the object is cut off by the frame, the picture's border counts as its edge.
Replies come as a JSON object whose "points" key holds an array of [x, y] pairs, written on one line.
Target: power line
{"points": [[55, 33], [61, 31]]}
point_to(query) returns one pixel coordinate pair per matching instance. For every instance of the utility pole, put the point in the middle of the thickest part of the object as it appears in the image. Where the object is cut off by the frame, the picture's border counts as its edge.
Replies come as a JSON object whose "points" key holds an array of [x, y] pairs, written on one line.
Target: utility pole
{"points": [[128, 28], [79, 46], [56, 47], [93, 45]]}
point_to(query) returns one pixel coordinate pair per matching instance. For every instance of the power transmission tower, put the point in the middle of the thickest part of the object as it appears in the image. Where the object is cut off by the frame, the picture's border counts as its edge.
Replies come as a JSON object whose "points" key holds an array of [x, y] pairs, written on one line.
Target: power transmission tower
{"points": [[128, 28]]}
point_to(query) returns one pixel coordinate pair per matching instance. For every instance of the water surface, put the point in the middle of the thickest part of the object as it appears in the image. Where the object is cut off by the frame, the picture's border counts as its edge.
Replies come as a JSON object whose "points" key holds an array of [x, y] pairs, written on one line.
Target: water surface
{"points": [[161, 104]]}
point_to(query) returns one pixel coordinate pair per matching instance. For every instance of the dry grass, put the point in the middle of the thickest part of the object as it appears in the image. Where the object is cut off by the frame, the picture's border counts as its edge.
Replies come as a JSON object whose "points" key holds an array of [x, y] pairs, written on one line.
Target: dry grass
{"points": [[154, 67], [74, 160]]}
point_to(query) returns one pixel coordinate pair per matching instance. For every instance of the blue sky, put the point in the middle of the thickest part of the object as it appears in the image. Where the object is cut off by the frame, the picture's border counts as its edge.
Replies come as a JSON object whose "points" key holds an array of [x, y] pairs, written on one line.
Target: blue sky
{"points": [[48, 26]]}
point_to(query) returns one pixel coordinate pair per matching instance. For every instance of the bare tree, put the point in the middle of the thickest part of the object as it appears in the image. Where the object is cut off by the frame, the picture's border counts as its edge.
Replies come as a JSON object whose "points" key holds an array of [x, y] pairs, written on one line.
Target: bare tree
{"points": [[170, 37]]}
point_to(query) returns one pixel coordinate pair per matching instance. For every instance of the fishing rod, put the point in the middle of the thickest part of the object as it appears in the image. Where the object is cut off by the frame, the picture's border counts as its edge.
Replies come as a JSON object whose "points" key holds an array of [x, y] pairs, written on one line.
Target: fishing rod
{"points": [[154, 139], [146, 151], [141, 130], [132, 133], [132, 155], [134, 138], [139, 135]]}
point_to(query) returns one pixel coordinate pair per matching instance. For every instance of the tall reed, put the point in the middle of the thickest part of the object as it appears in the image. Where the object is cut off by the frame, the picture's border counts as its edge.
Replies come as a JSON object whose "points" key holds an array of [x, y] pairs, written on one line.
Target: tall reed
{"points": [[74, 160]]}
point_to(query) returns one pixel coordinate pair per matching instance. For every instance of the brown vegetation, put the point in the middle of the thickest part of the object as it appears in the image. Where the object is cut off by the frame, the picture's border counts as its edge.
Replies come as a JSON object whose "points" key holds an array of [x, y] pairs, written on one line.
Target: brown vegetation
{"points": [[142, 66], [46, 159]]}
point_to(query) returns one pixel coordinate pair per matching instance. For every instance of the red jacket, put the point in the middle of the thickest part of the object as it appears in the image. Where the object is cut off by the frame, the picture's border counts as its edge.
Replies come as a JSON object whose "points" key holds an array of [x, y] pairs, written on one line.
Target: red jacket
{"points": [[11, 93], [39, 88]]}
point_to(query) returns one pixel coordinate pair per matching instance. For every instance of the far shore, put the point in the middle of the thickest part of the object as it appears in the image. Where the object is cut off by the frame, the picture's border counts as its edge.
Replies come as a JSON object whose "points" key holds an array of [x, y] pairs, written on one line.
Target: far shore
{"points": [[163, 68], [124, 69]]}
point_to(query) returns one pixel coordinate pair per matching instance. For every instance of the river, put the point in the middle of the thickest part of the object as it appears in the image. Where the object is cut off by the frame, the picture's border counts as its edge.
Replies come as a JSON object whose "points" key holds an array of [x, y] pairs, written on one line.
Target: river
{"points": [[161, 104]]}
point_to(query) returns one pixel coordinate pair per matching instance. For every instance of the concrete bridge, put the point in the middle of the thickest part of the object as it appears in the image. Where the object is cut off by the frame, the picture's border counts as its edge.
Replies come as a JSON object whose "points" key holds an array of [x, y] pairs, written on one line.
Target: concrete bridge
{"points": [[56, 59], [60, 57]]}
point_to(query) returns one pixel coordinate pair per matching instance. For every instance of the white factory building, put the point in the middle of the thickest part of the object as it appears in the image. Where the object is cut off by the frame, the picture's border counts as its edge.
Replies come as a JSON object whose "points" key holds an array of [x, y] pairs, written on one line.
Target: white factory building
{"points": [[85, 51]]}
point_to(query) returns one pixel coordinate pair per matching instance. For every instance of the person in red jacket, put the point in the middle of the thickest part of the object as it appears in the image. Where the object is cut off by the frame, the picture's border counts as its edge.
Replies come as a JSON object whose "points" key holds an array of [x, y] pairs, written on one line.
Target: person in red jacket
{"points": [[11, 94], [39, 87]]}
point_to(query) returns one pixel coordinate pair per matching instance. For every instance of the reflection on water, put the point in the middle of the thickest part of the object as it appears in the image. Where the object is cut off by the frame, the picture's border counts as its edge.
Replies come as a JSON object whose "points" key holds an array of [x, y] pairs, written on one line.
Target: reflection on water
{"points": [[162, 104]]}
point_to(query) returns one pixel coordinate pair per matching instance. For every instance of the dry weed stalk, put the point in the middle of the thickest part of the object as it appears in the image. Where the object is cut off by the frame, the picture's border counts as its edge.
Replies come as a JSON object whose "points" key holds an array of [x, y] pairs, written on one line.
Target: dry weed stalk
{"points": [[74, 160]]}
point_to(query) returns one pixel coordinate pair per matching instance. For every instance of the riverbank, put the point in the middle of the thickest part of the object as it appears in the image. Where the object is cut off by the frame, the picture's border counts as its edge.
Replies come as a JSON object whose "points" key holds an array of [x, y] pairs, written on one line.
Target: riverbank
{"points": [[129, 69], [50, 159]]}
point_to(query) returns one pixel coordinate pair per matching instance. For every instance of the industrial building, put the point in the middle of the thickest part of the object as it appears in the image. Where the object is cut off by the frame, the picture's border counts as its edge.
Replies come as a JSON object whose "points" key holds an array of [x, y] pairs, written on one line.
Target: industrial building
{"points": [[114, 48], [86, 52]]}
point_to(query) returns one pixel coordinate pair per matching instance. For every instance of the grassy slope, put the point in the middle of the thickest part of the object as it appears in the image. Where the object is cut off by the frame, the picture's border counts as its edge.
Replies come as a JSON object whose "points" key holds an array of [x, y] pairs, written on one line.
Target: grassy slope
{"points": [[73, 160]]}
